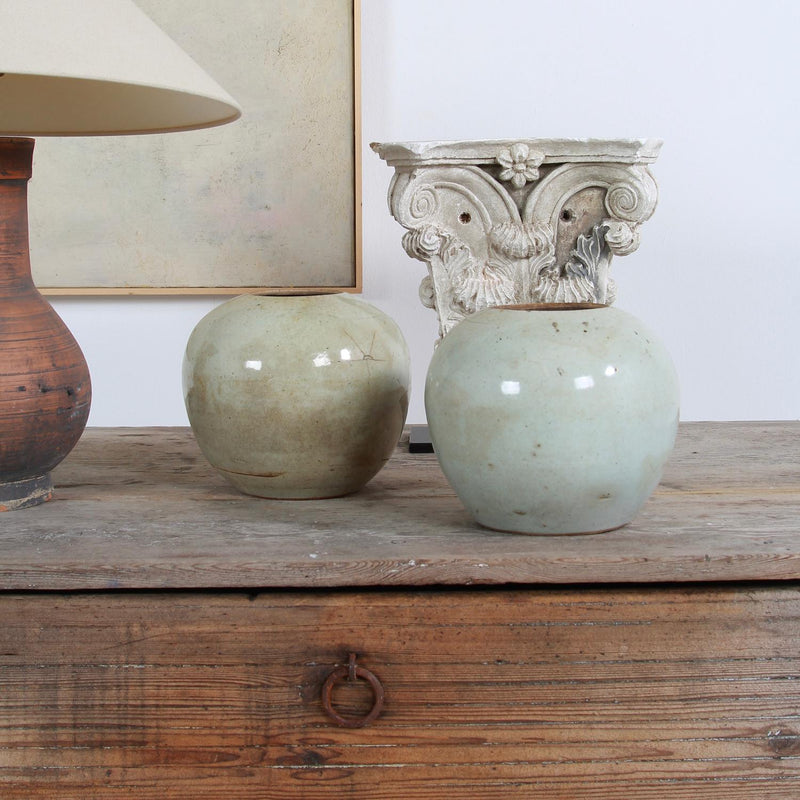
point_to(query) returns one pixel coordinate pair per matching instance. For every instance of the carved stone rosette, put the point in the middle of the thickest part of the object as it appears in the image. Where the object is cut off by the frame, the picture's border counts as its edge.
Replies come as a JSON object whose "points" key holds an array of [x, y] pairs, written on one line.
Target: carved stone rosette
{"points": [[519, 221]]}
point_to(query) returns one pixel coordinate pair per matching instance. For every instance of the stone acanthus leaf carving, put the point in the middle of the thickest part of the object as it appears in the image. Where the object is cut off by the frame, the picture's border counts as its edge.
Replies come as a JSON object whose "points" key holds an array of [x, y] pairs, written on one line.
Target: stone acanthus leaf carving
{"points": [[584, 278], [500, 223], [621, 237], [427, 294], [522, 239], [424, 242], [478, 285]]}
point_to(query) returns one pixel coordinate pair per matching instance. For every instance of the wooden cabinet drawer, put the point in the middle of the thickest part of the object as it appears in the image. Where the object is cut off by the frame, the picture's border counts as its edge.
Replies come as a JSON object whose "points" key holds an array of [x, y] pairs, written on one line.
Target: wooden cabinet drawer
{"points": [[538, 693]]}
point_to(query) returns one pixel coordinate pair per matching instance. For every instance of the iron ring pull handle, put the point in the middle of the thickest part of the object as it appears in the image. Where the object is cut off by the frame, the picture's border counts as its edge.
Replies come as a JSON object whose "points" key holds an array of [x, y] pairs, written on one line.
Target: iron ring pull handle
{"points": [[352, 672]]}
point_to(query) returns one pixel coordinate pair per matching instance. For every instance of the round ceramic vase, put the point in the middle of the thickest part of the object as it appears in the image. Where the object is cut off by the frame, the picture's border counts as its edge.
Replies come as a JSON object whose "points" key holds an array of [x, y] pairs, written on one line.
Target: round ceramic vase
{"points": [[552, 419], [296, 397]]}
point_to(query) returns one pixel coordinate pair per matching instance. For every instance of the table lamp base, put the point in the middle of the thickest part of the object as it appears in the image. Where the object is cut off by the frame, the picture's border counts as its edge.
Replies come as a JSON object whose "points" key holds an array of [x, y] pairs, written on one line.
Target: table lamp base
{"points": [[45, 389]]}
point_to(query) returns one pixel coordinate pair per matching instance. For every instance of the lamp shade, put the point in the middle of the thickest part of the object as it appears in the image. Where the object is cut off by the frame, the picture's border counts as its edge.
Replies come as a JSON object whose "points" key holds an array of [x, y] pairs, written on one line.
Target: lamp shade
{"points": [[95, 67]]}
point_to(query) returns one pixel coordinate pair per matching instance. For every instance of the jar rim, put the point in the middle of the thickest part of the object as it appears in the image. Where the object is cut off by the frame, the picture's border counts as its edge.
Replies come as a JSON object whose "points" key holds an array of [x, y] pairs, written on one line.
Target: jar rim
{"points": [[578, 306], [295, 292]]}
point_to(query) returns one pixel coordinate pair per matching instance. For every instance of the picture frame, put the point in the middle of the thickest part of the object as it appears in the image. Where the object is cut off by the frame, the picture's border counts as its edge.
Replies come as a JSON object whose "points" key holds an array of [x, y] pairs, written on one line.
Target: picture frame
{"points": [[268, 204]]}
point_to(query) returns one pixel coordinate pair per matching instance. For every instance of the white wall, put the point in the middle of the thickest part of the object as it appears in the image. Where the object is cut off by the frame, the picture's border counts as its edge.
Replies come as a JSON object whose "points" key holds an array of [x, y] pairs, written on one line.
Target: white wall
{"points": [[716, 274]]}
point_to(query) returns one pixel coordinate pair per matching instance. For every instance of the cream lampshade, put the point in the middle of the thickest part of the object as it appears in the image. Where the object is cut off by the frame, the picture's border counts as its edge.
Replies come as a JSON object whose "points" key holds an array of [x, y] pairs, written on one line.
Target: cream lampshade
{"points": [[69, 68]]}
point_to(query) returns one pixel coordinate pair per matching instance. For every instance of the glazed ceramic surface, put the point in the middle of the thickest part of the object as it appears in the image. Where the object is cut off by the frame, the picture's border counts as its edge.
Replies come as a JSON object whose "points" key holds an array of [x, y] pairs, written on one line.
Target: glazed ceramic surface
{"points": [[552, 419], [297, 397]]}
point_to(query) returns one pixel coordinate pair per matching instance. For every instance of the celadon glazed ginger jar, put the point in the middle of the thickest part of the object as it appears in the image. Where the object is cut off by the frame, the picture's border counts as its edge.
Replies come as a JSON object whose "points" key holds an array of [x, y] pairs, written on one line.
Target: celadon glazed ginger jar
{"points": [[297, 397], [552, 418]]}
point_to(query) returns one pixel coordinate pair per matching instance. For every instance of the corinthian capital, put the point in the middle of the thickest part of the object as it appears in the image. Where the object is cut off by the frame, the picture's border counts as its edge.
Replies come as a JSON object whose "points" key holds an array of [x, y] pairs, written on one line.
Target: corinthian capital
{"points": [[519, 220]]}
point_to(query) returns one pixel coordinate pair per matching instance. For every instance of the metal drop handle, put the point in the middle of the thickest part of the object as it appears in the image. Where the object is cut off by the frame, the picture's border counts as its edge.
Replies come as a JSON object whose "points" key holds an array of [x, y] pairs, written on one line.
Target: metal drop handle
{"points": [[352, 672]]}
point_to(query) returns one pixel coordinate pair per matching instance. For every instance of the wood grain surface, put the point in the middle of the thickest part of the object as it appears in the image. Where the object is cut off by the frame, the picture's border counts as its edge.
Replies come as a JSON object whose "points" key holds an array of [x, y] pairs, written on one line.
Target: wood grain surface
{"points": [[141, 508], [645, 693]]}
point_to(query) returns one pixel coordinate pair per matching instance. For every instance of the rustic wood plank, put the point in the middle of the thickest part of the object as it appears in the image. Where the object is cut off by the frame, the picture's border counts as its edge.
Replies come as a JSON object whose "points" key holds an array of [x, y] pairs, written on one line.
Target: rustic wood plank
{"points": [[140, 508], [83, 628], [317, 785], [664, 692]]}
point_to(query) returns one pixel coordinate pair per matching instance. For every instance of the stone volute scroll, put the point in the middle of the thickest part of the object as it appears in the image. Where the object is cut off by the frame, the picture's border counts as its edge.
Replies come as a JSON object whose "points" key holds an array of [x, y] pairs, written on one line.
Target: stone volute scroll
{"points": [[519, 221]]}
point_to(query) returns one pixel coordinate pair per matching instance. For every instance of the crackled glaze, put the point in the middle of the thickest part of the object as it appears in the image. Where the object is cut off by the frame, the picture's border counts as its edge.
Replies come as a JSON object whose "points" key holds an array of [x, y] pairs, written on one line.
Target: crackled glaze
{"points": [[552, 419], [297, 397]]}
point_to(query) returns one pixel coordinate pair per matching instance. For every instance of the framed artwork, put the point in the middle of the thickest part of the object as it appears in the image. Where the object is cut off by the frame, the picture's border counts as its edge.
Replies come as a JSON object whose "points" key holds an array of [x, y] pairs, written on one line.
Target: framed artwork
{"points": [[270, 203]]}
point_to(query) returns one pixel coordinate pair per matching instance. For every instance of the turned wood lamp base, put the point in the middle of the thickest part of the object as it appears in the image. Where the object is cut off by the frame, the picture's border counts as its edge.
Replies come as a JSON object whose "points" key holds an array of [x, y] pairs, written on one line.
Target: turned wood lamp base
{"points": [[45, 389]]}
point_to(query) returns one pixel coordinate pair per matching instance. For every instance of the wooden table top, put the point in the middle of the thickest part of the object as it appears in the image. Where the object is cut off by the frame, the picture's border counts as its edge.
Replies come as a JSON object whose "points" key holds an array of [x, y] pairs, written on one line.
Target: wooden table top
{"points": [[140, 508]]}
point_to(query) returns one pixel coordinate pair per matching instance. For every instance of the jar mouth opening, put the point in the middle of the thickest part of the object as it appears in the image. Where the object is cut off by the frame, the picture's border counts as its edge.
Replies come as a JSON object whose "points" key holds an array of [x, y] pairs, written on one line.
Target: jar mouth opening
{"points": [[299, 293], [551, 306]]}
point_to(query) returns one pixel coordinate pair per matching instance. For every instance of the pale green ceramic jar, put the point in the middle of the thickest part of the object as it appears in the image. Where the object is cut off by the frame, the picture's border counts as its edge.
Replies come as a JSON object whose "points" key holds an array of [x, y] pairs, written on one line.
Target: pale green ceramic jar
{"points": [[552, 419], [297, 397]]}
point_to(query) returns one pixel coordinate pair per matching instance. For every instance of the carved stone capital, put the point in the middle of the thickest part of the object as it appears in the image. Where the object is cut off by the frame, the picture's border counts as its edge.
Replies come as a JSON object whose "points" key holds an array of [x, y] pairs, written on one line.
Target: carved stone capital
{"points": [[518, 221]]}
